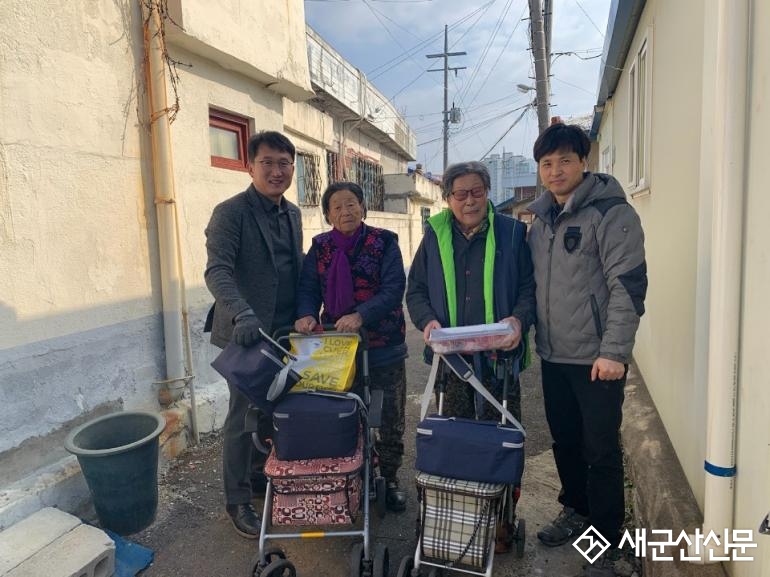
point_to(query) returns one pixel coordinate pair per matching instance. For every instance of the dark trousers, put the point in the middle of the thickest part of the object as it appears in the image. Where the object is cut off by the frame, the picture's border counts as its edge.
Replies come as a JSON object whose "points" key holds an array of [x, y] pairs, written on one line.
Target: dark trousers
{"points": [[390, 439], [584, 417], [238, 451]]}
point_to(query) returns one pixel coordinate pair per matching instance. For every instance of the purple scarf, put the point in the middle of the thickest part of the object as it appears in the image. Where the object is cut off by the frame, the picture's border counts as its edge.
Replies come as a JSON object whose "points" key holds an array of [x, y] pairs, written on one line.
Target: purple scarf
{"points": [[338, 299]]}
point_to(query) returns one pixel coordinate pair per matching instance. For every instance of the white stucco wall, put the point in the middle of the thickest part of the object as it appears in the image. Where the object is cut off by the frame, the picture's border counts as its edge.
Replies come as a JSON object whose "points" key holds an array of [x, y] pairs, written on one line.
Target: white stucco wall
{"points": [[79, 280], [79, 322], [666, 341], [262, 40]]}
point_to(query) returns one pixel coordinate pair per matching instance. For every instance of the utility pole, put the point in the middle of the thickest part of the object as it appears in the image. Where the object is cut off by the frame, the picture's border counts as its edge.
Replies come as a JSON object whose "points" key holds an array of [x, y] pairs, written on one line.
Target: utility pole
{"points": [[548, 26], [445, 55], [541, 63]]}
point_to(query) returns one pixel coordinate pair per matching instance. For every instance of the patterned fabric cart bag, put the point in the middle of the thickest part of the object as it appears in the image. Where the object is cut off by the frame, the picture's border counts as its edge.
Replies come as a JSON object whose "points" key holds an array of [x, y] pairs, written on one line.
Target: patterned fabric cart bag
{"points": [[316, 491], [457, 520]]}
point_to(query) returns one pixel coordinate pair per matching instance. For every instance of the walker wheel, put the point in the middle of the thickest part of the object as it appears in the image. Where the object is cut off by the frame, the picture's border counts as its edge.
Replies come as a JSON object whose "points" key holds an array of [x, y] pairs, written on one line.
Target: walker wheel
{"points": [[380, 503], [279, 568], [406, 566], [357, 560], [272, 553], [381, 561], [259, 563], [520, 537]]}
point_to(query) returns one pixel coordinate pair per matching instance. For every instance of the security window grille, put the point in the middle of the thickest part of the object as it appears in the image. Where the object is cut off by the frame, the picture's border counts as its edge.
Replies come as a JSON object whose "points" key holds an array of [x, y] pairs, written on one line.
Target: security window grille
{"points": [[228, 135], [424, 215], [368, 176], [308, 179], [333, 172]]}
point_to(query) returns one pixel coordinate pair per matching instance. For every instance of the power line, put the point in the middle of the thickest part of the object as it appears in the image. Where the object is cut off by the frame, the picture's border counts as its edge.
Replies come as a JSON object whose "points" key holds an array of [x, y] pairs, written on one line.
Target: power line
{"points": [[395, 61], [515, 122], [510, 37], [589, 18]]}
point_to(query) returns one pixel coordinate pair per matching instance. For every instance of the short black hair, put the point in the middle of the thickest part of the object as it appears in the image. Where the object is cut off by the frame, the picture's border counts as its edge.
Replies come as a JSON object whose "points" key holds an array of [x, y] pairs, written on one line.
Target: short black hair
{"points": [[567, 137], [459, 169], [270, 138], [336, 187]]}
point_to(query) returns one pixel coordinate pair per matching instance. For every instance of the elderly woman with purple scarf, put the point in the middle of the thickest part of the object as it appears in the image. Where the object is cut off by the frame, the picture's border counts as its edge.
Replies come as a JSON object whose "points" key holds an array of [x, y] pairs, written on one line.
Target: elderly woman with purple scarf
{"points": [[357, 273]]}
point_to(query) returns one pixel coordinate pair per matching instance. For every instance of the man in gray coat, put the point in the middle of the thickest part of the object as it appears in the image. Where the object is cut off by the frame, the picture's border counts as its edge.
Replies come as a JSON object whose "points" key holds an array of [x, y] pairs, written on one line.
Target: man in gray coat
{"points": [[588, 252], [254, 245]]}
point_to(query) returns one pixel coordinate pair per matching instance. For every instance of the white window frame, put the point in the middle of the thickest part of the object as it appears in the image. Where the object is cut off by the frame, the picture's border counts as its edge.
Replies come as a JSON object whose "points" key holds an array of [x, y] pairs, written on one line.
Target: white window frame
{"points": [[639, 116]]}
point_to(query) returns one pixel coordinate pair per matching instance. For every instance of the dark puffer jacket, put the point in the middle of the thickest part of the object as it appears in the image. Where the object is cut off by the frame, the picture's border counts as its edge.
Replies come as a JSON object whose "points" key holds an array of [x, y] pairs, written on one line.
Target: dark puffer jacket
{"points": [[590, 273]]}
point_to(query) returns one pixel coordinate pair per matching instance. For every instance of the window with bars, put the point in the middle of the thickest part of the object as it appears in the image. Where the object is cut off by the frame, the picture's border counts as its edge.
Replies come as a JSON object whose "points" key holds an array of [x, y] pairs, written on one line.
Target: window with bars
{"points": [[333, 169], [368, 175], [308, 168], [424, 215]]}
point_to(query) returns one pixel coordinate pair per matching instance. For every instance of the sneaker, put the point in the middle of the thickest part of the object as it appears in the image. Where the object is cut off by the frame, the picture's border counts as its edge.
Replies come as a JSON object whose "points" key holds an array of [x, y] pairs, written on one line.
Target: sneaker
{"points": [[245, 520], [567, 525], [604, 566]]}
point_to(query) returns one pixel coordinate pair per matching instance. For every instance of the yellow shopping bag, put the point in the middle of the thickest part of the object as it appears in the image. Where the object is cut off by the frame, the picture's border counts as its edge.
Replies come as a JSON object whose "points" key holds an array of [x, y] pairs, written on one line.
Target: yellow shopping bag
{"points": [[325, 362]]}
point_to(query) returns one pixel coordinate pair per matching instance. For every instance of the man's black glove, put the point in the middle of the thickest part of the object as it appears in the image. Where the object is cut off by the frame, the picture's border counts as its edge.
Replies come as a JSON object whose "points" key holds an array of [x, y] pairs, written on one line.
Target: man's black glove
{"points": [[246, 330]]}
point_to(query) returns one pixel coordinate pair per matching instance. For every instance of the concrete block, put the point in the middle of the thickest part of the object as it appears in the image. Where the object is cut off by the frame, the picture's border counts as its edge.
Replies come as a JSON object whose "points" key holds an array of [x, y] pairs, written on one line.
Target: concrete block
{"points": [[21, 541], [60, 484], [84, 551], [212, 401]]}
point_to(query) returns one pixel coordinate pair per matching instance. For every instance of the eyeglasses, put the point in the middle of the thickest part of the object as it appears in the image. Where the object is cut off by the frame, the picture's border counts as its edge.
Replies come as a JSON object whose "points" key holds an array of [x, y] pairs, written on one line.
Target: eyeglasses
{"points": [[462, 193], [269, 164]]}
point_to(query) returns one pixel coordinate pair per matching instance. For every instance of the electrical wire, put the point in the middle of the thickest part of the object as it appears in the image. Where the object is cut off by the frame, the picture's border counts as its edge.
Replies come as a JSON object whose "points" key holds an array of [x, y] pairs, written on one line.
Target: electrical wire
{"points": [[589, 18], [515, 122]]}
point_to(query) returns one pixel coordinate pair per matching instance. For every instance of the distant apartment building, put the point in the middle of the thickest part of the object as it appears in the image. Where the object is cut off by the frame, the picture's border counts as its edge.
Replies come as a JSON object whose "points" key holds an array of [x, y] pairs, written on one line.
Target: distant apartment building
{"points": [[513, 181]]}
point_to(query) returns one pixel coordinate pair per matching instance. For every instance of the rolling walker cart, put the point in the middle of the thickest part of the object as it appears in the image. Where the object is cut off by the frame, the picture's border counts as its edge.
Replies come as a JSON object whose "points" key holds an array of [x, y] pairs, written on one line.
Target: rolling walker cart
{"points": [[327, 492], [469, 475]]}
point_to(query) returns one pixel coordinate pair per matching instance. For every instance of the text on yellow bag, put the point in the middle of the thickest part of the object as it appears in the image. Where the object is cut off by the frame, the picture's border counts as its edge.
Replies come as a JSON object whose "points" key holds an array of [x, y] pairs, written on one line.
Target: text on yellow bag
{"points": [[325, 362]]}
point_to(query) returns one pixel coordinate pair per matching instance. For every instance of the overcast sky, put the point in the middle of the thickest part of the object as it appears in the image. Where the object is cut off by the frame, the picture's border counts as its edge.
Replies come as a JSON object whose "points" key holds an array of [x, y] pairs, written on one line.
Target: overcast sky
{"points": [[389, 40]]}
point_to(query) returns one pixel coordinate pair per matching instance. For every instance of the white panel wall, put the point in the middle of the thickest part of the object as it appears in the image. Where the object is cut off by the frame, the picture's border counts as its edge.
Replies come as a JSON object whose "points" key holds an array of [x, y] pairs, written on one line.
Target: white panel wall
{"points": [[665, 344], [752, 500]]}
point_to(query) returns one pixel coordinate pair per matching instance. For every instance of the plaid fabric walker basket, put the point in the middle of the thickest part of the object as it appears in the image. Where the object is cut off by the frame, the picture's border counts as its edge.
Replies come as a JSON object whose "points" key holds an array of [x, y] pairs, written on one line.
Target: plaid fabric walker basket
{"points": [[316, 491], [457, 519]]}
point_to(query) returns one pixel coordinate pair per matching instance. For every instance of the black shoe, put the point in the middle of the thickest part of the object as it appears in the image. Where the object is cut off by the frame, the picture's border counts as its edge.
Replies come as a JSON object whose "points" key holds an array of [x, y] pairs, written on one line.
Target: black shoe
{"points": [[245, 520], [567, 525], [395, 500]]}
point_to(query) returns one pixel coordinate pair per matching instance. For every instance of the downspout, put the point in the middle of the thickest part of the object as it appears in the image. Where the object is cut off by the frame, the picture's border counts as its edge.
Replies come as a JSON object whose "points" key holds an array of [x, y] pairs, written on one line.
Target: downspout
{"points": [[729, 135], [175, 318]]}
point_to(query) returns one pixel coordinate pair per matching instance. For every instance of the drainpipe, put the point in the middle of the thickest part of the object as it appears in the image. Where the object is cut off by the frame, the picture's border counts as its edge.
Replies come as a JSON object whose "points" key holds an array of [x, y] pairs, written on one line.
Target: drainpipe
{"points": [[175, 318], [729, 134]]}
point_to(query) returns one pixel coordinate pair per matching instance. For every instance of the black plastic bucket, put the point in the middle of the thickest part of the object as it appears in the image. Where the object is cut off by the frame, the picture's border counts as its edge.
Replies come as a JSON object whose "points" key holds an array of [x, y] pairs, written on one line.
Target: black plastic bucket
{"points": [[118, 455]]}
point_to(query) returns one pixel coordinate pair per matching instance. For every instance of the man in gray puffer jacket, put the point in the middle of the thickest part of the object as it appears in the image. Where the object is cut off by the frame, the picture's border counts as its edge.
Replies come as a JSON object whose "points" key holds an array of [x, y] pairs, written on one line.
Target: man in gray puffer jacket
{"points": [[588, 251]]}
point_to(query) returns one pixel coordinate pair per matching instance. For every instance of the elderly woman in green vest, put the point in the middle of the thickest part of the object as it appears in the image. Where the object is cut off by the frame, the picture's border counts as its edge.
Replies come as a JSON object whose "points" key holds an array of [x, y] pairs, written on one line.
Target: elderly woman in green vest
{"points": [[473, 266]]}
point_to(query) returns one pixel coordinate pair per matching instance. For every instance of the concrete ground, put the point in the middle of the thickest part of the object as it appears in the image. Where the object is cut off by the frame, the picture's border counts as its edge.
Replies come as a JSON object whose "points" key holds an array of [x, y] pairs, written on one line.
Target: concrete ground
{"points": [[193, 536]]}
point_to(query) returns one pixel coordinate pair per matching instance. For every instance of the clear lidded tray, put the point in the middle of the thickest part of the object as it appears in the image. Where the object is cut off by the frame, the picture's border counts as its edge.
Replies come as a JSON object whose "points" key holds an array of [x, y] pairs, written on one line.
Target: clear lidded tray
{"points": [[471, 338]]}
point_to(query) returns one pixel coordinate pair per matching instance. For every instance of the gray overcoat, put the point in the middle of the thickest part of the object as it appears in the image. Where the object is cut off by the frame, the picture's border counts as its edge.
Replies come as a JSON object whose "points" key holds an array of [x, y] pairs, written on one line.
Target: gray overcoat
{"points": [[241, 271]]}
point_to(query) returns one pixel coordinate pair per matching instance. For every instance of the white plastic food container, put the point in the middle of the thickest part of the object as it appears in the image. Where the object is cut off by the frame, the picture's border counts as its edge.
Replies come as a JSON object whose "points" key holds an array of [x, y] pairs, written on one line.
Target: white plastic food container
{"points": [[471, 338]]}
